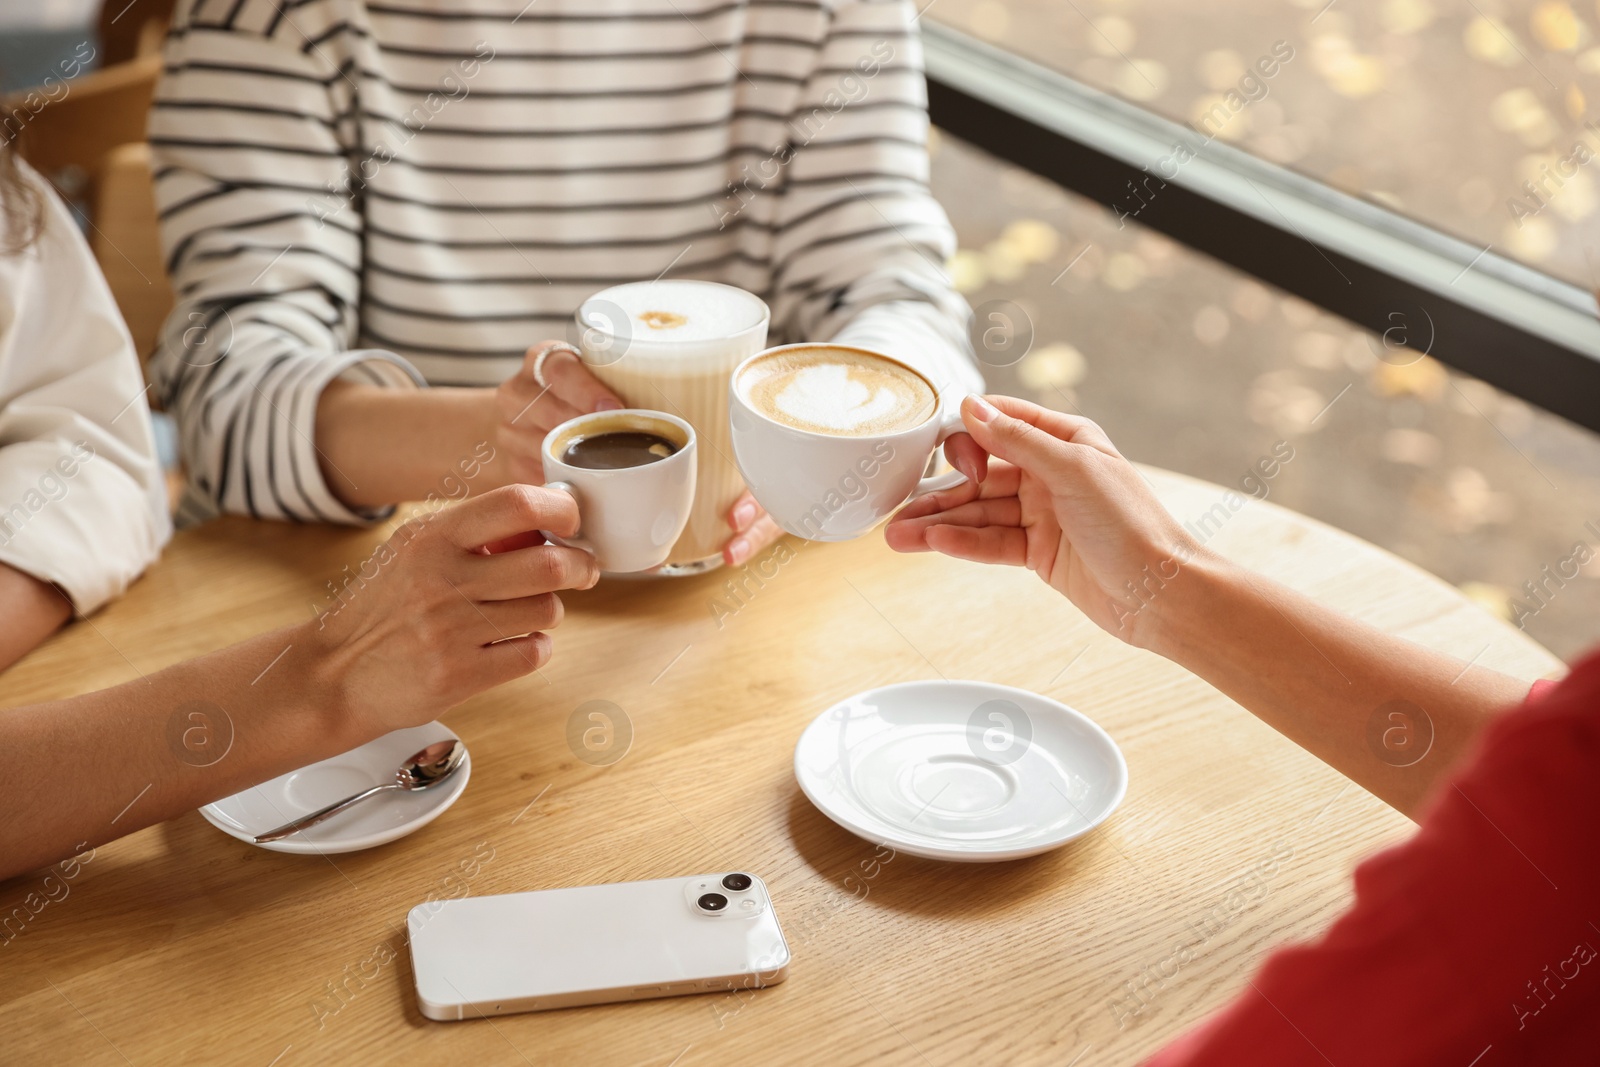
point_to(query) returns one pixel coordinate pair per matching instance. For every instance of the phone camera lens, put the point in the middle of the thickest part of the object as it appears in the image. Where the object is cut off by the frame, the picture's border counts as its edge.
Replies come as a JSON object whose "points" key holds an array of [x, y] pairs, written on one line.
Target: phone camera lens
{"points": [[736, 882], [712, 902]]}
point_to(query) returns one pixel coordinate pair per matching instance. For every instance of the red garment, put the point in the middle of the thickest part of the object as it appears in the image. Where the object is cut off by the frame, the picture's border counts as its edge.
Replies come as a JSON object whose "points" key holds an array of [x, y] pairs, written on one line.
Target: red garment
{"points": [[1474, 944]]}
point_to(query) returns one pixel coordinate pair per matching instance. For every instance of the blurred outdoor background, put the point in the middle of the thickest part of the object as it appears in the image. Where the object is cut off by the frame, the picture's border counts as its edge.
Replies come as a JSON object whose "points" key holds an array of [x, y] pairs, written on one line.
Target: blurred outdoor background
{"points": [[1440, 111]]}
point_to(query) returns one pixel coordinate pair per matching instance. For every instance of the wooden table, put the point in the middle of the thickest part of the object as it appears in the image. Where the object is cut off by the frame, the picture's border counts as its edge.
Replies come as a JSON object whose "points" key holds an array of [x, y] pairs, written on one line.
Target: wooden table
{"points": [[181, 945]]}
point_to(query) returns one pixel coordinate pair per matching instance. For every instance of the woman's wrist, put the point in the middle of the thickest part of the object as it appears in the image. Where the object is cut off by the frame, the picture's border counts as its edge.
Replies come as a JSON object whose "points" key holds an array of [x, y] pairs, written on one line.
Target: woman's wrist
{"points": [[1184, 612], [326, 688], [387, 446]]}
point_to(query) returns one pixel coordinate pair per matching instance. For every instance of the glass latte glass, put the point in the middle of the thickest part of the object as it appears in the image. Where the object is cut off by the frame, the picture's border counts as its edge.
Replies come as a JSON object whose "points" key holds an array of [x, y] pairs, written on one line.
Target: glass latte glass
{"points": [[670, 345]]}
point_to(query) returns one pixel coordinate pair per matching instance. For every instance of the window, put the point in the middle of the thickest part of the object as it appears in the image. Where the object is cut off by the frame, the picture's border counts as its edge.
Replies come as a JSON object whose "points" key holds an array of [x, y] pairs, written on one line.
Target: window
{"points": [[1198, 367]]}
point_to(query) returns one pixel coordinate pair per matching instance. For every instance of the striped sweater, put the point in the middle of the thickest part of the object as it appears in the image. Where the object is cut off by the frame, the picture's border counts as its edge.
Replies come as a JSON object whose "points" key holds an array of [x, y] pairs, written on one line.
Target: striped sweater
{"points": [[413, 191]]}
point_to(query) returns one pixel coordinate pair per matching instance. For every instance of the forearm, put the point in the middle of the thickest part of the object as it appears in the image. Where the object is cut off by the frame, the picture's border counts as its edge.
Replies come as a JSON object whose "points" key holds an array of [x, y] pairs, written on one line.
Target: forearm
{"points": [[92, 768], [32, 611], [383, 446], [1391, 715]]}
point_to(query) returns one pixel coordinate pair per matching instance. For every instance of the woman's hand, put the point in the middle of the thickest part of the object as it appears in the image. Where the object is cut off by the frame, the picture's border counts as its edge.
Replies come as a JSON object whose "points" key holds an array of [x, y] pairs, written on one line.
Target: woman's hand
{"points": [[526, 409], [459, 604], [1063, 503]]}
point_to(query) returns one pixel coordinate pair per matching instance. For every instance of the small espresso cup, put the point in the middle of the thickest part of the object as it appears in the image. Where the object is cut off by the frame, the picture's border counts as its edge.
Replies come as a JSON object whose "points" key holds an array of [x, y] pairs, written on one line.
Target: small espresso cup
{"points": [[828, 486], [629, 516]]}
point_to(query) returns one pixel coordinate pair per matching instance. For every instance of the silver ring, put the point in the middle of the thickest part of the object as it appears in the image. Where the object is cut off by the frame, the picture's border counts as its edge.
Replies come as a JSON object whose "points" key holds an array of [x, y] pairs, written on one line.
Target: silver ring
{"points": [[543, 354]]}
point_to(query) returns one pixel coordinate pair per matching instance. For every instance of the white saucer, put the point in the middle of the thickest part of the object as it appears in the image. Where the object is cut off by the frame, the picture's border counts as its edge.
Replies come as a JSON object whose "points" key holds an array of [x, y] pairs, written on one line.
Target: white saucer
{"points": [[965, 771], [375, 821]]}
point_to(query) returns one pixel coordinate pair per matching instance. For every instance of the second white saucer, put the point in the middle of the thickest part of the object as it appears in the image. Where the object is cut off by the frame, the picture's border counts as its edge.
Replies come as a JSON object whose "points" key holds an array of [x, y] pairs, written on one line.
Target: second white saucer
{"points": [[965, 771]]}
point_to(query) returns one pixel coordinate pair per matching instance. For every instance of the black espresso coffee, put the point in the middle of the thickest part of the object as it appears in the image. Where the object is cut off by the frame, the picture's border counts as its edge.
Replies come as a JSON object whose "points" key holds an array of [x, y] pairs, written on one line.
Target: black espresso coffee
{"points": [[616, 450]]}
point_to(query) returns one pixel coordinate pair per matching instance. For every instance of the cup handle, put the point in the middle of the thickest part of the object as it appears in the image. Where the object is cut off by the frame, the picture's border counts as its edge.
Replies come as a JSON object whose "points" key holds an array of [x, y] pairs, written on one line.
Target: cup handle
{"points": [[951, 424], [569, 542]]}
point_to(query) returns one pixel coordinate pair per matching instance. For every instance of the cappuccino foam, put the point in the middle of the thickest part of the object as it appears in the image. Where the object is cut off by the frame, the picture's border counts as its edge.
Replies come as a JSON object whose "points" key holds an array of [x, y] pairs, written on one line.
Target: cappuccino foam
{"points": [[845, 392], [672, 312]]}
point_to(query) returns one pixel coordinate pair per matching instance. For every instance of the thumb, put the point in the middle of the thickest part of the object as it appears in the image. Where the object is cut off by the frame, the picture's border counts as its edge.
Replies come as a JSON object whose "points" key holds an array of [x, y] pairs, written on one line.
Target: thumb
{"points": [[1011, 439]]}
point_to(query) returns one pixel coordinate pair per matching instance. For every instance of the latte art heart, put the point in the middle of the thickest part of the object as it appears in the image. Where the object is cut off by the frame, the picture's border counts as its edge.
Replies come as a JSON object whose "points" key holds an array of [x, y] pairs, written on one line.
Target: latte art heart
{"points": [[829, 395], [839, 391]]}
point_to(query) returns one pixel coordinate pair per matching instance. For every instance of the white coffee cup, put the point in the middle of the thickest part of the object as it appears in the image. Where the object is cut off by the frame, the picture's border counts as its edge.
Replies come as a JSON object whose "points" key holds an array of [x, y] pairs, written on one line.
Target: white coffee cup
{"points": [[834, 486], [630, 516]]}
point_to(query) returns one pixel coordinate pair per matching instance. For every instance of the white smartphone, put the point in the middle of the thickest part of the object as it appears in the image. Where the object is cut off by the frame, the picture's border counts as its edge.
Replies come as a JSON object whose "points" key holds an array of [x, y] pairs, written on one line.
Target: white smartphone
{"points": [[598, 944]]}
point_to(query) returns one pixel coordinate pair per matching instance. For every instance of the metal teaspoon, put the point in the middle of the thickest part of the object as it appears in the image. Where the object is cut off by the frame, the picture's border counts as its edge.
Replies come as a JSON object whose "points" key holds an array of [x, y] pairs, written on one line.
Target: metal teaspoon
{"points": [[424, 770]]}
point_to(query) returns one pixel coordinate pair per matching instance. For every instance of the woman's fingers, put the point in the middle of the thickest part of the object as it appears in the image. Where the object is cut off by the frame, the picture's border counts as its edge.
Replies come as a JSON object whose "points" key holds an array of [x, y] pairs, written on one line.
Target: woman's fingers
{"points": [[761, 533], [1012, 439], [508, 512], [744, 513], [966, 456], [995, 511], [524, 404], [510, 544], [1027, 434], [534, 412], [1076, 429], [905, 537], [528, 410], [1002, 480], [526, 414], [753, 530], [527, 572], [500, 619], [910, 534], [1007, 545], [932, 503], [575, 386], [506, 660]]}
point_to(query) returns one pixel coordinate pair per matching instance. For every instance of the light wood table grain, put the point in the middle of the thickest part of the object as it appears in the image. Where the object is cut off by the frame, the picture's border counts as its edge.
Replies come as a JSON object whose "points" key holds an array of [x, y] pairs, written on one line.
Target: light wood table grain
{"points": [[181, 945]]}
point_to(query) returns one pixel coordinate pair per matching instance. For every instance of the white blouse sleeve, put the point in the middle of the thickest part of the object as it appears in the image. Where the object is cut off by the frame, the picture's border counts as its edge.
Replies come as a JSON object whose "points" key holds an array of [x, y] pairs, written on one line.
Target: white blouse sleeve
{"points": [[82, 504]]}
